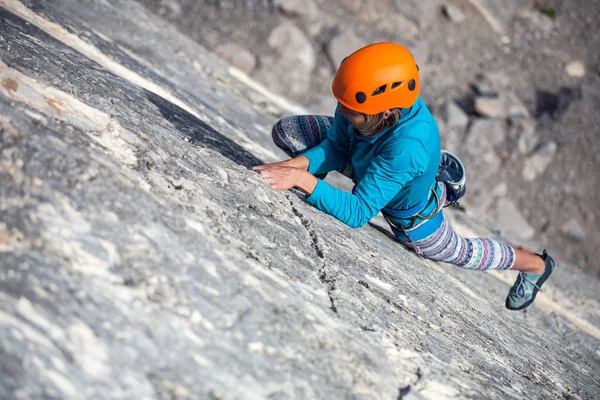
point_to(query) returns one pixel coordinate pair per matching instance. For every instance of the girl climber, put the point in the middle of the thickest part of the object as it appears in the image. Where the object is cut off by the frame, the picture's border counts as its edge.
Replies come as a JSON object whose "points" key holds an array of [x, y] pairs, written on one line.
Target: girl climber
{"points": [[384, 138]]}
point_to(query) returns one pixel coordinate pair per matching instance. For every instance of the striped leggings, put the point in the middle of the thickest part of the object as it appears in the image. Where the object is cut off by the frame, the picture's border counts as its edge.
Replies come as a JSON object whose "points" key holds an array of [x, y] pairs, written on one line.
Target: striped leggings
{"points": [[294, 135]]}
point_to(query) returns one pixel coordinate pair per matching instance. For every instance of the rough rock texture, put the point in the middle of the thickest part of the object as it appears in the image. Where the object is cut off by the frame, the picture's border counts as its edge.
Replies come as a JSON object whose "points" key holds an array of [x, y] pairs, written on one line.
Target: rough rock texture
{"points": [[139, 258]]}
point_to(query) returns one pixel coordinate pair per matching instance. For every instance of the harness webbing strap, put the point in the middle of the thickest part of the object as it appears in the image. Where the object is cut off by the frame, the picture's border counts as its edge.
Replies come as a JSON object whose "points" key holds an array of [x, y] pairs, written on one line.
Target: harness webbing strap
{"points": [[409, 212], [413, 213]]}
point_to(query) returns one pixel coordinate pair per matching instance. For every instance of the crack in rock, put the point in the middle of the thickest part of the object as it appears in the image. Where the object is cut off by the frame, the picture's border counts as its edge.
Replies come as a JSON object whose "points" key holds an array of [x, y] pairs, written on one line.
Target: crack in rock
{"points": [[324, 275], [330, 282]]}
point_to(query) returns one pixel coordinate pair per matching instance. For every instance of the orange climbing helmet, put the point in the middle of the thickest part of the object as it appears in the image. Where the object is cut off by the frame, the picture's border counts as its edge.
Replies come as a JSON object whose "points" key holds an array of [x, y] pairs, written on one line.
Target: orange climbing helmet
{"points": [[377, 77]]}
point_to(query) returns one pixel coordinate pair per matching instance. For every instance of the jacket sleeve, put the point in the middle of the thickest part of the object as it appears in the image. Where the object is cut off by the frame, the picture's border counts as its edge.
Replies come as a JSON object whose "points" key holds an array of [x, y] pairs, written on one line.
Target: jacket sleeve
{"points": [[399, 163], [333, 152]]}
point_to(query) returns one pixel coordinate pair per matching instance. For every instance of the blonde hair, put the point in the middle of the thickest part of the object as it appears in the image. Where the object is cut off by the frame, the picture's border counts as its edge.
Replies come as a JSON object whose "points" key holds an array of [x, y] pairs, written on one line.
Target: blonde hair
{"points": [[377, 122]]}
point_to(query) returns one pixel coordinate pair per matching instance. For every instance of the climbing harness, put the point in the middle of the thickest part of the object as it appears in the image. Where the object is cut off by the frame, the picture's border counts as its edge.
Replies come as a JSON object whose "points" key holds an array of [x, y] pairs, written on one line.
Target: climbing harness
{"points": [[413, 214], [451, 173]]}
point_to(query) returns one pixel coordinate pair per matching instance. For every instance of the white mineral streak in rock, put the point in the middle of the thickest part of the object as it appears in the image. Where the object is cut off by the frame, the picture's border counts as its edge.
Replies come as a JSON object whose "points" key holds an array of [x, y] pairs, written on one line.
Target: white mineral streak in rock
{"points": [[188, 333], [90, 353], [257, 87], [380, 283], [63, 225], [253, 147], [197, 318], [438, 391], [61, 383], [57, 104], [201, 360], [27, 311], [85, 48], [195, 225], [96, 55]]}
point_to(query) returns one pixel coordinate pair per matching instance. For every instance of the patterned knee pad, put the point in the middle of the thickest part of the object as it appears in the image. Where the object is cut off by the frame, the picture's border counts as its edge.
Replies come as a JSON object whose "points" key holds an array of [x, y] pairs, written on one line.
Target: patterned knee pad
{"points": [[294, 135]]}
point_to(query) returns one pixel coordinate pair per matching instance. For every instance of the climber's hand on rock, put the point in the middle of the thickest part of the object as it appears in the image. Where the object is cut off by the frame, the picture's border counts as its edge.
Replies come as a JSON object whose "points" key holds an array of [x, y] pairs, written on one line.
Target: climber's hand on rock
{"points": [[280, 177], [283, 178]]}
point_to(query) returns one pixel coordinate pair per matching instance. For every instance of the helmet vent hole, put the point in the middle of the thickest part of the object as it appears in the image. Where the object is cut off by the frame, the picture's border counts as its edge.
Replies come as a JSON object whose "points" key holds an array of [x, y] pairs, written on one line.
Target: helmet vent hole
{"points": [[411, 85], [379, 90], [396, 84], [361, 97]]}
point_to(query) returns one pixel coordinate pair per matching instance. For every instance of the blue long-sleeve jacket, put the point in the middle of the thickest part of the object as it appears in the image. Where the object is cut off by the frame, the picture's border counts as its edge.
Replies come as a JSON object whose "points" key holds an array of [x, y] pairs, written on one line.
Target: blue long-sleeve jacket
{"points": [[395, 168]]}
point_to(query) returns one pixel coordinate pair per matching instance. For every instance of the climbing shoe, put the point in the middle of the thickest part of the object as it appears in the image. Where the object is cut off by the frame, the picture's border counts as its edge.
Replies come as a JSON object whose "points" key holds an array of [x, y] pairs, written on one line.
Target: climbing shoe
{"points": [[525, 288]]}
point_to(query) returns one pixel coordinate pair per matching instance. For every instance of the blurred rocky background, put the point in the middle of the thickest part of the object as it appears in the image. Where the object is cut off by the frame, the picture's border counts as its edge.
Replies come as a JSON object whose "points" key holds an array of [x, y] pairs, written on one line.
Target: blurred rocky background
{"points": [[514, 84]]}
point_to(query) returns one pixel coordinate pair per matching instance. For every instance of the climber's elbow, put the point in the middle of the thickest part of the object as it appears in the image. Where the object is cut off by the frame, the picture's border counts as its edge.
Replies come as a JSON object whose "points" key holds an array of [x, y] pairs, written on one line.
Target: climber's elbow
{"points": [[358, 221]]}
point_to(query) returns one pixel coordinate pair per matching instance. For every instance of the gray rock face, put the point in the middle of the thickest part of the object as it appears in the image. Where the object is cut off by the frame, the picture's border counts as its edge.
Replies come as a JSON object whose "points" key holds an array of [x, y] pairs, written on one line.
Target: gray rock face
{"points": [[140, 258]]}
